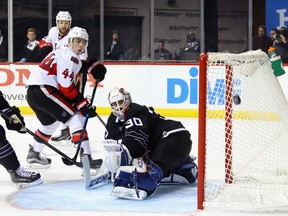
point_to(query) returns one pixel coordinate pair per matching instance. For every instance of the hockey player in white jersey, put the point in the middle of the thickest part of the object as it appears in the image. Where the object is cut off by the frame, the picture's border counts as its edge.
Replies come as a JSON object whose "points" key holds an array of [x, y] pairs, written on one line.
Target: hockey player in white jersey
{"points": [[56, 39], [54, 98], [57, 35]]}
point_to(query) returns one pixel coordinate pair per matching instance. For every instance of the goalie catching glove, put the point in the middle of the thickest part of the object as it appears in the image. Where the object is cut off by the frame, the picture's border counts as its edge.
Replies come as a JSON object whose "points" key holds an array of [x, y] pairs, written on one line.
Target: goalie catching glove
{"points": [[86, 108], [97, 69], [16, 121]]}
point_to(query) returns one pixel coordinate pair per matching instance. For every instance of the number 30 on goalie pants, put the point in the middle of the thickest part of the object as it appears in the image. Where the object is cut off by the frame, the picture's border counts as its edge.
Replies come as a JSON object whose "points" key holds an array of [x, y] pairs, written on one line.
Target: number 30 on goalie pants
{"points": [[90, 184]]}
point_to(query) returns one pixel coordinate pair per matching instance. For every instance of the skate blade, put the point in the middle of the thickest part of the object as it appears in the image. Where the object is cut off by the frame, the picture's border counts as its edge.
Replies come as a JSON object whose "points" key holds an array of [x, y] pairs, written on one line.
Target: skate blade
{"points": [[128, 193], [37, 166], [27, 185]]}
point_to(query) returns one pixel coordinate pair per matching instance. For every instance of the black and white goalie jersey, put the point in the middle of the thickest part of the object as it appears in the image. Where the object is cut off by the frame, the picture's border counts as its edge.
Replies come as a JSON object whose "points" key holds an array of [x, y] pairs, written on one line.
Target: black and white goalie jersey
{"points": [[142, 128]]}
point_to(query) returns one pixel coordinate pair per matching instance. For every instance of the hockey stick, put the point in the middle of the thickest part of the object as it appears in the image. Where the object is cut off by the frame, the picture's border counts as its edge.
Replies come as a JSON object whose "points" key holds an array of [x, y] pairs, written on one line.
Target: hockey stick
{"points": [[83, 82], [65, 160], [90, 184], [101, 120], [40, 139]]}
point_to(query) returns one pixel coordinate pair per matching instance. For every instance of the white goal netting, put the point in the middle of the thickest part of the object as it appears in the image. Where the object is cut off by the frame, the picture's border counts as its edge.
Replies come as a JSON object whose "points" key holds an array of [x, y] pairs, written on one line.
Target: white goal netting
{"points": [[246, 143]]}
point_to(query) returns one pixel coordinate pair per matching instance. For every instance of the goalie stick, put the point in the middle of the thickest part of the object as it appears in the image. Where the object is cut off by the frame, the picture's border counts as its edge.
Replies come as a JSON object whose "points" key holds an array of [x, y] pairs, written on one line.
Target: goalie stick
{"points": [[101, 120], [90, 184]]}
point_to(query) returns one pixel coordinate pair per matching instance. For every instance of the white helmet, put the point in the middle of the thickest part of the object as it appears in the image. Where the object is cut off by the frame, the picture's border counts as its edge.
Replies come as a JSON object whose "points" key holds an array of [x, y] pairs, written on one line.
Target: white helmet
{"points": [[63, 15], [77, 32], [119, 100]]}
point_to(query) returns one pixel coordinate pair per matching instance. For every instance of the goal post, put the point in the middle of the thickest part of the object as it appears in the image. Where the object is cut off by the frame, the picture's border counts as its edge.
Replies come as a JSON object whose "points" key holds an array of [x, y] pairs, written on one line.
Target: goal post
{"points": [[243, 134]]}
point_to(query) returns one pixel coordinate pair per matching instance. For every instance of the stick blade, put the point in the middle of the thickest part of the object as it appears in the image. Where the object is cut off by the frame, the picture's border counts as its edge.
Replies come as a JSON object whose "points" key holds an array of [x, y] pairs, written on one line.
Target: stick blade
{"points": [[67, 162]]}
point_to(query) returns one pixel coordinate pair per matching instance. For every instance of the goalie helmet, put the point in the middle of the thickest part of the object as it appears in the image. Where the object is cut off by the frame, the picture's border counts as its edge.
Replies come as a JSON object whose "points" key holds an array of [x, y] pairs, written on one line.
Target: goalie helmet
{"points": [[77, 32], [63, 15], [119, 100]]}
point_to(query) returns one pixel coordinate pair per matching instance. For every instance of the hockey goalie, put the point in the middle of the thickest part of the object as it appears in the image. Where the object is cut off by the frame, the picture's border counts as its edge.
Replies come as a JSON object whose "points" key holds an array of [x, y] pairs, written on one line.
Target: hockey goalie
{"points": [[144, 149]]}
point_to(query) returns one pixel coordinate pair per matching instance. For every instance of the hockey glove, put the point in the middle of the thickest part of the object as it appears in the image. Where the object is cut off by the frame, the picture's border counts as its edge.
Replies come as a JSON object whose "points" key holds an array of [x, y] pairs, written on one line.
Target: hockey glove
{"points": [[44, 48], [97, 69], [16, 122], [86, 108]]}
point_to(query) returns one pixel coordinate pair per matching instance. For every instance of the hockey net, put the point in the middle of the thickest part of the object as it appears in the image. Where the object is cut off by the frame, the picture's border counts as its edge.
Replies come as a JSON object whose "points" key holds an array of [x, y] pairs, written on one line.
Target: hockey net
{"points": [[243, 147]]}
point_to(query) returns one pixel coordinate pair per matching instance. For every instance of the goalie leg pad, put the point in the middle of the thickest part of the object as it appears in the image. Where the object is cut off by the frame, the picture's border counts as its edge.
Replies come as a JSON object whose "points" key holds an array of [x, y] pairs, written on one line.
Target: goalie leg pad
{"points": [[133, 182], [116, 155]]}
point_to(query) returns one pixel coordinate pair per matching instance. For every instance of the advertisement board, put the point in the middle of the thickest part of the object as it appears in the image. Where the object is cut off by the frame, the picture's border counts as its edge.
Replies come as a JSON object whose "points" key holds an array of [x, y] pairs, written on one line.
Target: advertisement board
{"points": [[276, 14], [171, 89]]}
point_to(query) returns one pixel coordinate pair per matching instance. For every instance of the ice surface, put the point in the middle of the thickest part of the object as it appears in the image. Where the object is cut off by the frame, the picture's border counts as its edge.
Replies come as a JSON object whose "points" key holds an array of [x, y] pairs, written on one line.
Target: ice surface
{"points": [[63, 191]]}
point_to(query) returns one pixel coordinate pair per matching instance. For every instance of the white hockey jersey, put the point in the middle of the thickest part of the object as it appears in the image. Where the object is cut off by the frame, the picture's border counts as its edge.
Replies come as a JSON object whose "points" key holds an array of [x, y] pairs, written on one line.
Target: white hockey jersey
{"points": [[59, 69], [58, 41]]}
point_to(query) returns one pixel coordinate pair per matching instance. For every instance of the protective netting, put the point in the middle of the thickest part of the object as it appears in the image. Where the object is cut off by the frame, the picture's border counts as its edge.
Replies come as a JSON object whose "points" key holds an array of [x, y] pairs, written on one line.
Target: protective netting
{"points": [[246, 145]]}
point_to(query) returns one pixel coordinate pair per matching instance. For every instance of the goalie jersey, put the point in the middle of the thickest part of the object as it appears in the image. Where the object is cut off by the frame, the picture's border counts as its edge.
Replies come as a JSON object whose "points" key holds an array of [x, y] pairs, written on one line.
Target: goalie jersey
{"points": [[142, 129]]}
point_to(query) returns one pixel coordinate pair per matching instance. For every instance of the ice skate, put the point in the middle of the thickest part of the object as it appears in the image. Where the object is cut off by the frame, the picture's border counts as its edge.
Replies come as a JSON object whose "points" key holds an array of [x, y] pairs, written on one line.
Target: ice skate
{"points": [[36, 160], [24, 178], [62, 138]]}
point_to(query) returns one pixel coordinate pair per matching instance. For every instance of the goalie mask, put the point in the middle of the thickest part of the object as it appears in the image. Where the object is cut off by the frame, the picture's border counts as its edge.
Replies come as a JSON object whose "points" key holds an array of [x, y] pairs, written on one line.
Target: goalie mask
{"points": [[77, 32], [119, 100]]}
